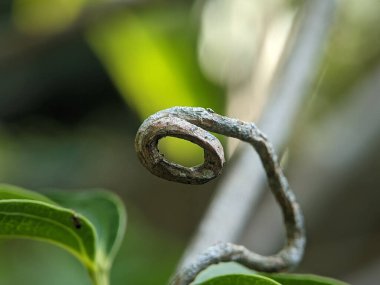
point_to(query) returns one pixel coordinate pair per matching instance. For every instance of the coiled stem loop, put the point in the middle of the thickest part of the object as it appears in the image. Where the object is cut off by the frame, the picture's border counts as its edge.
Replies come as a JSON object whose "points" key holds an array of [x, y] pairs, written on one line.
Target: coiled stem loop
{"points": [[192, 124]]}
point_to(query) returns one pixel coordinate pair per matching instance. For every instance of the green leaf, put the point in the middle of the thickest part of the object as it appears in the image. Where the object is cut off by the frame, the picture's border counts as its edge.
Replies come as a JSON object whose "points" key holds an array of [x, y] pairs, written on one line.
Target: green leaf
{"points": [[93, 239], [105, 211], [233, 268], [303, 279], [223, 268], [38, 220], [239, 279], [14, 192], [151, 57], [45, 16]]}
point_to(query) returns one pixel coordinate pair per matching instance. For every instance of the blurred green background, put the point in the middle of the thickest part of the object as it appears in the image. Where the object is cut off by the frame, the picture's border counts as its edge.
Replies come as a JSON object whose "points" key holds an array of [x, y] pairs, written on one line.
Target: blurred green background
{"points": [[77, 78]]}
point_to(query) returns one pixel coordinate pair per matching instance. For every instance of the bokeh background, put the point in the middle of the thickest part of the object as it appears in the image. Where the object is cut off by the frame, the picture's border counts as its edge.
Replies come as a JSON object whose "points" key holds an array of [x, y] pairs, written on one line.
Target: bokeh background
{"points": [[77, 78]]}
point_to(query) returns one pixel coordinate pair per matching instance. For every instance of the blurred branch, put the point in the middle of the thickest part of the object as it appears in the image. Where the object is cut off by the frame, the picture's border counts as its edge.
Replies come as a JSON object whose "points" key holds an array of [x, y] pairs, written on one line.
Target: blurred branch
{"points": [[366, 276], [341, 149], [239, 191], [18, 47], [345, 137]]}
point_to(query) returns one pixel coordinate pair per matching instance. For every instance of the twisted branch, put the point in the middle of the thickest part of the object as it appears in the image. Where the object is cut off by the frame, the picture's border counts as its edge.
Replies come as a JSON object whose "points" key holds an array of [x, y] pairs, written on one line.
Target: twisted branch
{"points": [[192, 124]]}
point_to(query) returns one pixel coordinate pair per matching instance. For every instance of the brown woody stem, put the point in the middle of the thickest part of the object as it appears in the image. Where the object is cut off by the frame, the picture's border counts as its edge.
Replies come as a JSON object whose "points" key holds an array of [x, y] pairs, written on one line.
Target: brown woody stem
{"points": [[192, 124]]}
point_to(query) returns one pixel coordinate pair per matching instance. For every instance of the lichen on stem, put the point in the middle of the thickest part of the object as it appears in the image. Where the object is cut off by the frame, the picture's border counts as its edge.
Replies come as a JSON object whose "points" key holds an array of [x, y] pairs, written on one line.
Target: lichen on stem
{"points": [[192, 124]]}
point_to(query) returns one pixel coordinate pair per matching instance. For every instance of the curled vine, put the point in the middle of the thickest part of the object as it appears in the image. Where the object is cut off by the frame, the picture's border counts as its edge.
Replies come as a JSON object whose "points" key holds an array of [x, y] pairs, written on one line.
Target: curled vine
{"points": [[194, 124]]}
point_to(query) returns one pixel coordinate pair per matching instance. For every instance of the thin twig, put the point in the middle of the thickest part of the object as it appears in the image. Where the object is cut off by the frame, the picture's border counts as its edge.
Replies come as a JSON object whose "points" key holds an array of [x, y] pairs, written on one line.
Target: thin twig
{"points": [[190, 124], [242, 187]]}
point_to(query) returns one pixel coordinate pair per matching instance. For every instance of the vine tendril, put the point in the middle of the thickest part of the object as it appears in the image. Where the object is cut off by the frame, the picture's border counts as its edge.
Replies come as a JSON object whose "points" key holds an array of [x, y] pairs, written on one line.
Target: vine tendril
{"points": [[193, 124]]}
